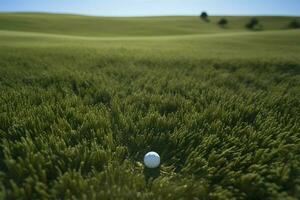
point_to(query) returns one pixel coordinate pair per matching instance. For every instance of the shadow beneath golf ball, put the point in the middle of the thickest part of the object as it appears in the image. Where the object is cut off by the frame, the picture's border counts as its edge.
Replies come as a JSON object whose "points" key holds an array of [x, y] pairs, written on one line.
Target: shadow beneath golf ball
{"points": [[151, 174]]}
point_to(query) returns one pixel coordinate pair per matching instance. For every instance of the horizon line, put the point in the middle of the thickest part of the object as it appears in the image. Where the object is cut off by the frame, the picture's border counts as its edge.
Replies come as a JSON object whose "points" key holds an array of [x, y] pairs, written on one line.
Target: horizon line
{"points": [[171, 15]]}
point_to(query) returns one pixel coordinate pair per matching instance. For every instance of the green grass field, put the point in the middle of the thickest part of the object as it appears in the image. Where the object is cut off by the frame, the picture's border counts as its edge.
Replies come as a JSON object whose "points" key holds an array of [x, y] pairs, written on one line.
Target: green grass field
{"points": [[84, 98]]}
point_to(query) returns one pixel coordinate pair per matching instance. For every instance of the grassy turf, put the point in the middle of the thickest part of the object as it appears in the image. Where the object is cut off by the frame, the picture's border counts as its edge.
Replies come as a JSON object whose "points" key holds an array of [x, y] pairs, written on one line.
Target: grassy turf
{"points": [[80, 105]]}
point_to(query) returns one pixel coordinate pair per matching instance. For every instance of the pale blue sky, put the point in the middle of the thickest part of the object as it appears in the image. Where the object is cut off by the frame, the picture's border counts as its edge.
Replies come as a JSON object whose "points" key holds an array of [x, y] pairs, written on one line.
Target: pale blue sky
{"points": [[155, 7]]}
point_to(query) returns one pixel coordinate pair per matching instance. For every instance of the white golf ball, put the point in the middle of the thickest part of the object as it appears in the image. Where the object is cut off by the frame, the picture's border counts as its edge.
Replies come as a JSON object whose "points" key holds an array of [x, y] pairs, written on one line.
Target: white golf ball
{"points": [[152, 159]]}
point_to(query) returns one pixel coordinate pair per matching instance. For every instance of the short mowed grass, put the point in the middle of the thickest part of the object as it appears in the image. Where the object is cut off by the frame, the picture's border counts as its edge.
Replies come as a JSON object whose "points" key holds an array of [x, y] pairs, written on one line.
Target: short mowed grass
{"points": [[79, 109]]}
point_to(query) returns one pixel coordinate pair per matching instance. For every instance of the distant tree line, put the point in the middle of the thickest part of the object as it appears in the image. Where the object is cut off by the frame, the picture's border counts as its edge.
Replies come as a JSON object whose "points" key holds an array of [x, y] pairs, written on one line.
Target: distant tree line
{"points": [[252, 24]]}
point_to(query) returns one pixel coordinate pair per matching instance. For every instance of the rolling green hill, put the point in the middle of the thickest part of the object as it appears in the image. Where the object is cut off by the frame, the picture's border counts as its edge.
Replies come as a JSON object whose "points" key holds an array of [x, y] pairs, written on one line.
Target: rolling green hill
{"points": [[82, 99], [114, 26]]}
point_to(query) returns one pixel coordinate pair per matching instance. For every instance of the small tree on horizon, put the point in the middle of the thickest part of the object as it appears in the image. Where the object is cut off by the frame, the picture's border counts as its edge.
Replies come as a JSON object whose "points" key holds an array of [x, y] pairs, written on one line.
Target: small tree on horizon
{"points": [[223, 22], [204, 16], [253, 24], [294, 24]]}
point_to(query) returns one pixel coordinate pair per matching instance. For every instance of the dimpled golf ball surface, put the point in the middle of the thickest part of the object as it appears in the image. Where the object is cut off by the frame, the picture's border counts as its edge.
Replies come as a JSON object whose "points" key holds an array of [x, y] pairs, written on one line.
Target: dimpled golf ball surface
{"points": [[152, 159]]}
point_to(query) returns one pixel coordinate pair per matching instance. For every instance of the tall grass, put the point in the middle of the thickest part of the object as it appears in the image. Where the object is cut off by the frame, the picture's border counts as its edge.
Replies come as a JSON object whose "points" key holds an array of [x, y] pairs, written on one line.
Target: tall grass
{"points": [[224, 129]]}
